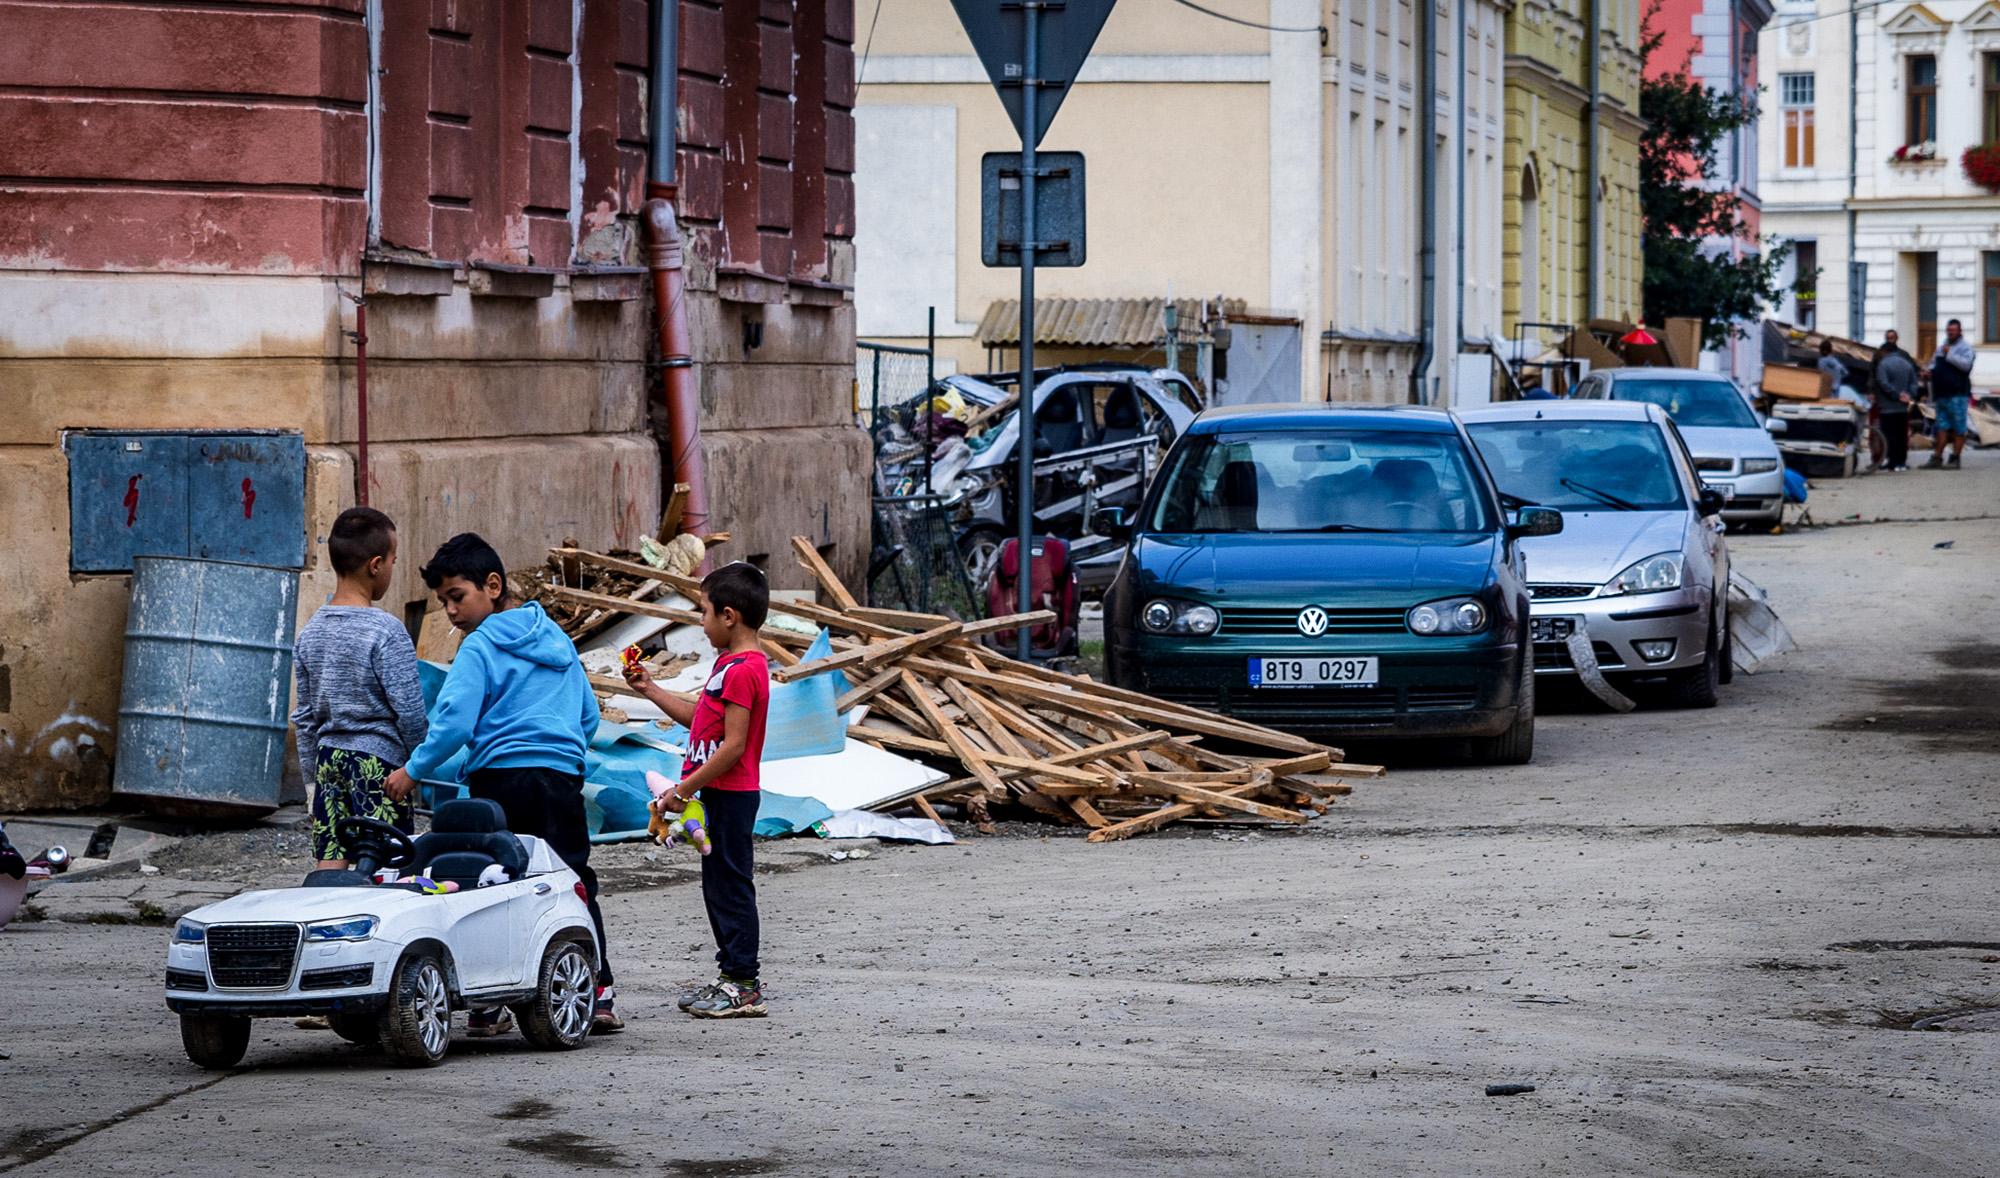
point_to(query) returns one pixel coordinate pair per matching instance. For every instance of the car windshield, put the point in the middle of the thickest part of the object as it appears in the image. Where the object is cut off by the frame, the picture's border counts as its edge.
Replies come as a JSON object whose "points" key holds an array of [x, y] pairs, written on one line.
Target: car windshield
{"points": [[1321, 481], [1691, 402], [1581, 465]]}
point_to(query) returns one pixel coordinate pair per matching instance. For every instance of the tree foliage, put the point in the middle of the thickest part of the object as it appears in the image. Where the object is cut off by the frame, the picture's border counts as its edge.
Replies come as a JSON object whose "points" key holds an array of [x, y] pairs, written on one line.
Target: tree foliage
{"points": [[1687, 218]]}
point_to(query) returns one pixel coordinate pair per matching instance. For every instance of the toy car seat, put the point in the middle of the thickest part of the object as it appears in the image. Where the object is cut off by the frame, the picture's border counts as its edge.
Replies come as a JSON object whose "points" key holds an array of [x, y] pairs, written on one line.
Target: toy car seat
{"points": [[1051, 586], [467, 836]]}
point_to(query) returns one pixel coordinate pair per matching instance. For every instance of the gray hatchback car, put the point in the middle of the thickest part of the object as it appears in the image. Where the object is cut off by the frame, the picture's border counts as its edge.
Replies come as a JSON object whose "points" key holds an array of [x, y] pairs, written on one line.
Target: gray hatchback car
{"points": [[1641, 565]]}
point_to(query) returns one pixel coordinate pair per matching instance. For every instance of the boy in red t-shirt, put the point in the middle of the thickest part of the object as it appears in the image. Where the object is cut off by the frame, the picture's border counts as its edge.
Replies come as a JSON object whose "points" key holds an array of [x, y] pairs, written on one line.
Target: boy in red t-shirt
{"points": [[725, 747]]}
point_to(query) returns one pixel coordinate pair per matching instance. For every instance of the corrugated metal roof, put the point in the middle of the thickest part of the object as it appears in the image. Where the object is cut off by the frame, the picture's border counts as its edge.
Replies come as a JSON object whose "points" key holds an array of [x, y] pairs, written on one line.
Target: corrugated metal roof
{"points": [[1091, 323]]}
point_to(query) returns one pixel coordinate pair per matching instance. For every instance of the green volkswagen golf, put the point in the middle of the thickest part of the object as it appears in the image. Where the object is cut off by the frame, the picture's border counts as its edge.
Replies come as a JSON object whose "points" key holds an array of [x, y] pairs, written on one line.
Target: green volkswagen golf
{"points": [[1342, 572]]}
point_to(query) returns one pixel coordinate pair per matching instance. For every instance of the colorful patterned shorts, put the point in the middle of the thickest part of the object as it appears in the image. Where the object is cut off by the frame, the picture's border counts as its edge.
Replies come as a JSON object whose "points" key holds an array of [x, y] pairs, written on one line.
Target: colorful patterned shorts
{"points": [[349, 785]]}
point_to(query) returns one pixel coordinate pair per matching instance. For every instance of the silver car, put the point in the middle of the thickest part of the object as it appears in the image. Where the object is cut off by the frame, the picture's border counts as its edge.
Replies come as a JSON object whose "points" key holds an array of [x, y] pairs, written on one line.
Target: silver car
{"points": [[1641, 566], [1732, 449]]}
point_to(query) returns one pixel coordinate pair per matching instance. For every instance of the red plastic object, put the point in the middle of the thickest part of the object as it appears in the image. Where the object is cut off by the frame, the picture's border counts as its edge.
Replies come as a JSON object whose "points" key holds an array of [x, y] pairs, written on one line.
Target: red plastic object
{"points": [[1638, 337], [1051, 585]]}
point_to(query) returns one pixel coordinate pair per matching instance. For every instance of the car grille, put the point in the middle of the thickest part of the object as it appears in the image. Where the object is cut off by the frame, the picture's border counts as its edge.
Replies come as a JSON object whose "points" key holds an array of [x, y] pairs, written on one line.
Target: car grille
{"points": [[252, 956], [1556, 592], [336, 979], [185, 979], [1309, 706], [1719, 464], [1554, 656], [1254, 622]]}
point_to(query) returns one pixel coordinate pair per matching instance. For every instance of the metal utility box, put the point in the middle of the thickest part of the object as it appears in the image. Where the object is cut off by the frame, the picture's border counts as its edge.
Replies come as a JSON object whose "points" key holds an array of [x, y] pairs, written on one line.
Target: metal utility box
{"points": [[218, 496]]}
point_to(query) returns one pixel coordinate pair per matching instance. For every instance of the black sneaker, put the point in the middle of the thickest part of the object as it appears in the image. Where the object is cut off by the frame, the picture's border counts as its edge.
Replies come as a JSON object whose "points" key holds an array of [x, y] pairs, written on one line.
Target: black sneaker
{"points": [[731, 1000], [1952, 462], [604, 1018], [699, 993], [486, 1024]]}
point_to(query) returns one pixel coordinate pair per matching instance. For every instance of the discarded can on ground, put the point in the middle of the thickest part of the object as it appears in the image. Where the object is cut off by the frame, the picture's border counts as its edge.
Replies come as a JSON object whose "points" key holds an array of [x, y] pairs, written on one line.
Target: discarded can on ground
{"points": [[208, 678]]}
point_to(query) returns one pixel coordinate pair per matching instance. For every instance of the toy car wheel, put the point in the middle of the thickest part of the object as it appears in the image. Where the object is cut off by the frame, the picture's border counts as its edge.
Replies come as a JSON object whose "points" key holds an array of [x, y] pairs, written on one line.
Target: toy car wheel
{"points": [[557, 1018], [364, 1029], [416, 1026], [215, 1040]]}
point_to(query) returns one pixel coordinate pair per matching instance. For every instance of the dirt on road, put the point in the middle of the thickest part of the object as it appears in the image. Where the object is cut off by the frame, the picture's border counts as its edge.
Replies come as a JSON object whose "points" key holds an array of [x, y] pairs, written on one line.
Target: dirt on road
{"points": [[1714, 942]]}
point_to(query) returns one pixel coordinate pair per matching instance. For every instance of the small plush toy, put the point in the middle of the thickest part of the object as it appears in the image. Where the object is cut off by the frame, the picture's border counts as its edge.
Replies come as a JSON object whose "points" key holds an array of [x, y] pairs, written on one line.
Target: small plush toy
{"points": [[631, 656], [667, 828], [492, 874]]}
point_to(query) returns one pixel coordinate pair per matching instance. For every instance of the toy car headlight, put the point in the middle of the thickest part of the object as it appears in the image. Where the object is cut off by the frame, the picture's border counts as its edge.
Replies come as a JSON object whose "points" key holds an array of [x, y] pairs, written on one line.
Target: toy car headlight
{"points": [[347, 928], [190, 932]]}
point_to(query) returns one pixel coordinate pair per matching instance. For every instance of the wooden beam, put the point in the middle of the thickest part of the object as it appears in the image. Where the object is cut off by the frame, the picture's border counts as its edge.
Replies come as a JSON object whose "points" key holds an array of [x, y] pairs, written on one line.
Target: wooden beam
{"points": [[862, 693], [1163, 816], [1205, 798], [870, 656], [829, 583], [1018, 764], [782, 656], [690, 588], [1078, 699], [670, 519]]}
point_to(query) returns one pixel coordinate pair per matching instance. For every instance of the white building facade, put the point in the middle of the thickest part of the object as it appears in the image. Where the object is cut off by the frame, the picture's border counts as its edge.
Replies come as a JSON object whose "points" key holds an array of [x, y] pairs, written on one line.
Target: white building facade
{"points": [[1236, 152], [1903, 238]]}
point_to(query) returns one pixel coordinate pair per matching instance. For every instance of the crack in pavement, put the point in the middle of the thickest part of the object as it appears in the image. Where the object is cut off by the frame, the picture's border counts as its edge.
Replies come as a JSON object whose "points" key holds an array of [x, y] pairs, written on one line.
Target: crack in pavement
{"points": [[1776, 829], [33, 1145]]}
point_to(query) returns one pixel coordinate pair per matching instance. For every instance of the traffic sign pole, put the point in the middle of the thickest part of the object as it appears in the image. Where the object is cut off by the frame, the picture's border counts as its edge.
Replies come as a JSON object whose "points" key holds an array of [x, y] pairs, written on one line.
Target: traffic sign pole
{"points": [[1024, 436]]}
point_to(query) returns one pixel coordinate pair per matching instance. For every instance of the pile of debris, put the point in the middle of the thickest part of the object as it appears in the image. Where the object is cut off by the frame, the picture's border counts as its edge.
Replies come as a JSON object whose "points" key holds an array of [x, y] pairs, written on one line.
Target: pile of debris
{"points": [[1062, 747], [670, 551]]}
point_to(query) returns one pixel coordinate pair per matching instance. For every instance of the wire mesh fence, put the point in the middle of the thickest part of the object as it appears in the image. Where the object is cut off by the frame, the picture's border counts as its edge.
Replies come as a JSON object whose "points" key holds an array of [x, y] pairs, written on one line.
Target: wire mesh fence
{"points": [[916, 563]]}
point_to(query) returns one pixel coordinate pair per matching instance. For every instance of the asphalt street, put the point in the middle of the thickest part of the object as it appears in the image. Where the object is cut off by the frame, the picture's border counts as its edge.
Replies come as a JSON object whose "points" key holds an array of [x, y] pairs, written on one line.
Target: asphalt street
{"points": [[1713, 941]]}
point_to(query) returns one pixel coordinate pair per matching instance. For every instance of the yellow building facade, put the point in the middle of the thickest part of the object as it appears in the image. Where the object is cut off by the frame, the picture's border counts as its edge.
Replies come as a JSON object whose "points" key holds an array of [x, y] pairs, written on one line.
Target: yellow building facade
{"points": [[1566, 256]]}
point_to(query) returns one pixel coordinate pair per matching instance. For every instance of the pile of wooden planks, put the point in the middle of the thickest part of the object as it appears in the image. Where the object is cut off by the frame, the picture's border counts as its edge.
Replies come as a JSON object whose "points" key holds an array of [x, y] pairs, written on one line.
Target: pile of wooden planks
{"points": [[1062, 747]]}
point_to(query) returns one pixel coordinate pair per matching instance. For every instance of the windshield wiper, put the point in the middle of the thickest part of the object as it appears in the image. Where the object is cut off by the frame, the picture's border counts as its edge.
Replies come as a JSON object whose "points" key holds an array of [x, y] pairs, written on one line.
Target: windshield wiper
{"points": [[1601, 496], [1345, 528]]}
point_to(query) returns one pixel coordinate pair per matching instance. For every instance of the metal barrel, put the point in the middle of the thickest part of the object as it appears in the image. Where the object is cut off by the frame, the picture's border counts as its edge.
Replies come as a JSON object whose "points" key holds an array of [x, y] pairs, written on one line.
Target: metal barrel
{"points": [[208, 667]]}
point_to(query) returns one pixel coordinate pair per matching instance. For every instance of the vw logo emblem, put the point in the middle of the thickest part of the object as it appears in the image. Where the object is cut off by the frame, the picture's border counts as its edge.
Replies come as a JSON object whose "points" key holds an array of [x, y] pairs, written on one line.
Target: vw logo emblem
{"points": [[1312, 621]]}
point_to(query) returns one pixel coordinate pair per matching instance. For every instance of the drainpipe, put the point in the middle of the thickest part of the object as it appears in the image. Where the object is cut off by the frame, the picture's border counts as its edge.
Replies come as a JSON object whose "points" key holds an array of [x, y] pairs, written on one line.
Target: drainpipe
{"points": [[1590, 284], [360, 337], [1856, 296], [664, 256], [1458, 247], [1428, 182]]}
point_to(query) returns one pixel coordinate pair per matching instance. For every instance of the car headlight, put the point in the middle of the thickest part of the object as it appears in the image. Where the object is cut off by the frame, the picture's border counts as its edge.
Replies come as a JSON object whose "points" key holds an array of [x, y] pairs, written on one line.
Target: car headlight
{"points": [[1453, 615], [1759, 465], [1164, 615], [347, 928], [190, 932], [1655, 574]]}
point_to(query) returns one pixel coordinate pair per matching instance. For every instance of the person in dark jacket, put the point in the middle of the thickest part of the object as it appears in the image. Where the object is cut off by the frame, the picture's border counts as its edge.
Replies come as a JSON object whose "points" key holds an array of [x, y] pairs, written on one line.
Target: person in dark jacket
{"points": [[1893, 381], [1951, 395]]}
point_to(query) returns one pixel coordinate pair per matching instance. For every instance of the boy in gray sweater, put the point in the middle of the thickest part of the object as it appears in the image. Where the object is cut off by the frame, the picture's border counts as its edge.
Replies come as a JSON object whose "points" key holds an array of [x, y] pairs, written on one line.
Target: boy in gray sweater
{"points": [[360, 708]]}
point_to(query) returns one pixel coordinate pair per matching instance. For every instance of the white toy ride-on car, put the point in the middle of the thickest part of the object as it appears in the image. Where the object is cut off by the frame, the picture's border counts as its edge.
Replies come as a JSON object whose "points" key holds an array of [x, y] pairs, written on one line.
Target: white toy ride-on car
{"points": [[388, 963]]}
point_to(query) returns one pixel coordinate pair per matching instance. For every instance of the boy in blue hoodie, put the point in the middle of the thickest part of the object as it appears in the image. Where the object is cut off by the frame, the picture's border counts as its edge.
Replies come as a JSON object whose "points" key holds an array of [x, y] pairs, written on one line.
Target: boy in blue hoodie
{"points": [[518, 697]]}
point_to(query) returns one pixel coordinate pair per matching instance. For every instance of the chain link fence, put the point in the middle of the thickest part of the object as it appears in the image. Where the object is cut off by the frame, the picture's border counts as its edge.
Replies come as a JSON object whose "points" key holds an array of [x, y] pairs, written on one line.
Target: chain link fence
{"points": [[915, 563]]}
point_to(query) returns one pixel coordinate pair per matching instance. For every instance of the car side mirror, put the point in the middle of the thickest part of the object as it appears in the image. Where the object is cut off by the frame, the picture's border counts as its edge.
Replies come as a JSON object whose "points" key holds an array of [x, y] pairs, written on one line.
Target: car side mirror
{"points": [[1773, 425], [1536, 521], [1111, 522], [1711, 500]]}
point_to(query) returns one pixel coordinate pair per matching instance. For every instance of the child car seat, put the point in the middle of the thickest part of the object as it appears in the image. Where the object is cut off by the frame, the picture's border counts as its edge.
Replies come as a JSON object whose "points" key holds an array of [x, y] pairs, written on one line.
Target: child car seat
{"points": [[1051, 586], [467, 836]]}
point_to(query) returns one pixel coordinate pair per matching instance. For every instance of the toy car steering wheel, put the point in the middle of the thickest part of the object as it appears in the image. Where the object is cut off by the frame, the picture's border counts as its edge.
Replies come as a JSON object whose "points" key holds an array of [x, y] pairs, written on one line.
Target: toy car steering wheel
{"points": [[373, 843]]}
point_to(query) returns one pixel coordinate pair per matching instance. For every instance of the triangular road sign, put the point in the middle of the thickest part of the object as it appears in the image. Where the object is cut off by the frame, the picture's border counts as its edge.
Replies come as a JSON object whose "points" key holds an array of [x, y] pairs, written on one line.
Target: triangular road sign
{"points": [[998, 29]]}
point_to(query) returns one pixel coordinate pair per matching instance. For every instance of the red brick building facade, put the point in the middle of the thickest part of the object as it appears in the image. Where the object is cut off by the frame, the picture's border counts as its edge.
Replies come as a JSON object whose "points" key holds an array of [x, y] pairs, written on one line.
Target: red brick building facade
{"points": [[191, 199]]}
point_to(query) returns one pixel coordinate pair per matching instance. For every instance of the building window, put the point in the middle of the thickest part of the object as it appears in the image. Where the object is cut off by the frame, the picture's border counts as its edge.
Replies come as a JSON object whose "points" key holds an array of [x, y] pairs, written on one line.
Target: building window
{"points": [[1920, 115], [1926, 265], [1805, 287], [1990, 292], [1795, 99], [1989, 122]]}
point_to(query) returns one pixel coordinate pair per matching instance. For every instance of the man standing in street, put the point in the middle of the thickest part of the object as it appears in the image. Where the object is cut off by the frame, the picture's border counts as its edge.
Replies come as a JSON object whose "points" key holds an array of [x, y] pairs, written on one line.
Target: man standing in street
{"points": [[1894, 381], [1951, 395]]}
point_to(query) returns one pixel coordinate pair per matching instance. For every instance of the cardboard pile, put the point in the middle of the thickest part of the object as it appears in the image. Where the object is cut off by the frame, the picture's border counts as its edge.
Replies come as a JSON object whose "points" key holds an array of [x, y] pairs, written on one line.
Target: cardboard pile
{"points": [[1062, 747]]}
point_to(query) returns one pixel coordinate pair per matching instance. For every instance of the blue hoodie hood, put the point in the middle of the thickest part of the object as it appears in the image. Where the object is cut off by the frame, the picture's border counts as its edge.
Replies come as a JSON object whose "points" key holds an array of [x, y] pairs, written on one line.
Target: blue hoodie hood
{"points": [[516, 695]]}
